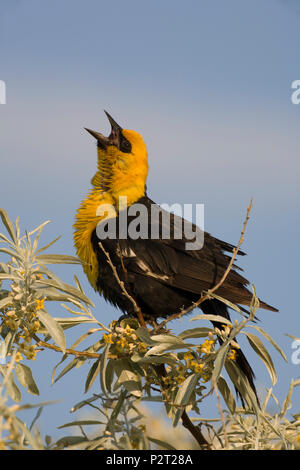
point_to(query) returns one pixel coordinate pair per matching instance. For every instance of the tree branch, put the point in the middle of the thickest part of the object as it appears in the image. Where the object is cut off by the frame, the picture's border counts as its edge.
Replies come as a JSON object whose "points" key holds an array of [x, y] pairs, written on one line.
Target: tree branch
{"points": [[122, 285]]}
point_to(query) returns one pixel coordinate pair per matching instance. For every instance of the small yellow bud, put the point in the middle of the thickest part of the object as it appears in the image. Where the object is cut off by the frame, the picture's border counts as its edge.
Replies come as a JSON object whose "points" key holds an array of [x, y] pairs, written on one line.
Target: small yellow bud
{"points": [[108, 339], [40, 304]]}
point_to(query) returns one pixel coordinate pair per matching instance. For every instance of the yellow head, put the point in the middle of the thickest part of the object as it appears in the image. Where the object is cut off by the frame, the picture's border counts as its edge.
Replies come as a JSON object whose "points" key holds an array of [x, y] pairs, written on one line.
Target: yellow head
{"points": [[122, 163]]}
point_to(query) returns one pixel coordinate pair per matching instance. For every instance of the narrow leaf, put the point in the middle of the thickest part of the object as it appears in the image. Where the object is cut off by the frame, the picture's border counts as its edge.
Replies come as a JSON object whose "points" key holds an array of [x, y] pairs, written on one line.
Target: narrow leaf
{"points": [[86, 422], [226, 302], [162, 444], [8, 225], [127, 377], [57, 259], [183, 395], [93, 372], [226, 394], [12, 389], [25, 377], [71, 290], [214, 318], [262, 352], [103, 364], [45, 247], [54, 329], [242, 384], [270, 339], [219, 363], [195, 333], [6, 301]]}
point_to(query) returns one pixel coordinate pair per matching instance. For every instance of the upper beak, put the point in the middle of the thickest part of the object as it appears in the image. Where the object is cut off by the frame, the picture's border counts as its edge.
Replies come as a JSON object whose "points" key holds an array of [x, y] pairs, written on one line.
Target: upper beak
{"points": [[113, 139], [114, 126]]}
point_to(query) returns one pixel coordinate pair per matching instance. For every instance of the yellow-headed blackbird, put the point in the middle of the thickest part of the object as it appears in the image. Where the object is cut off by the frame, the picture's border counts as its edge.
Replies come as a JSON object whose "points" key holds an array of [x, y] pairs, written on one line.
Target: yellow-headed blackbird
{"points": [[160, 273]]}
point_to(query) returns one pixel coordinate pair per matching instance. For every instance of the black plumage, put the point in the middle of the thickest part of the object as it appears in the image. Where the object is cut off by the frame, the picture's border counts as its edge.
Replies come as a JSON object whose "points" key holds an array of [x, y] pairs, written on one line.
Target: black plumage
{"points": [[164, 278]]}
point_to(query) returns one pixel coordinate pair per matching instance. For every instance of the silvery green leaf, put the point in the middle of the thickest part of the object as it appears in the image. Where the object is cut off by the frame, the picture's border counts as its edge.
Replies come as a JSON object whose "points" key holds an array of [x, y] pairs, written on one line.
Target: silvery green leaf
{"points": [[45, 247], [287, 402], [8, 225], [50, 274], [10, 277], [11, 253], [143, 335], [86, 422], [53, 327], [170, 339], [69, 367], [183, 395], [36, 240], [103, 364], [83, 403], [254, 304], [262, 352], [110, 372], [160, 348], [25, 377], [12, 389], [66, 323], [71, 290], [6, 301], [65, 356], [77, 282], [242, 384], [9, 340], [84, 336], [92, 374], [163, 359], [50, 293], [128, 378], [39, 228], [6, 240], [68, 441], [117, 408], [195, 333], [57, 259], [160, 443], [226, 394], [214, 318], [293, 337], [270, 339], [219, 362], [38, 414], [32, 440], [226, 302]]}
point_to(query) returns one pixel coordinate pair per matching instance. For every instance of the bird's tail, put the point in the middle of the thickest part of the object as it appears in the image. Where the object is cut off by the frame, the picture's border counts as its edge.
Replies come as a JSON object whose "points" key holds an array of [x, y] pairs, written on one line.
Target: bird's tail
{"points": [[217, 307]]}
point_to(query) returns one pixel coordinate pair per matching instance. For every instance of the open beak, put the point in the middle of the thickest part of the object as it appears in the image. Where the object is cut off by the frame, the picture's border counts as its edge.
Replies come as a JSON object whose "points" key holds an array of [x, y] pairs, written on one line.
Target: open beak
{"points": [[114, 137]]}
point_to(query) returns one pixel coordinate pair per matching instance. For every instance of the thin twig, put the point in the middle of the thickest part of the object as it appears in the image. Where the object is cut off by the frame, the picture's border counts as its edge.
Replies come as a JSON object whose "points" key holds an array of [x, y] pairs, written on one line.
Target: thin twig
{"points": [[66, 351], [122, 285], [206, 296]]}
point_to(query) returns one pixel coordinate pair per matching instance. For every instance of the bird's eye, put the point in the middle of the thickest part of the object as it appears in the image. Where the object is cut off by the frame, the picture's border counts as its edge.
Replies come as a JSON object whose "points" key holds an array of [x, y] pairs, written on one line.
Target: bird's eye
{"points": [[125, 145]]}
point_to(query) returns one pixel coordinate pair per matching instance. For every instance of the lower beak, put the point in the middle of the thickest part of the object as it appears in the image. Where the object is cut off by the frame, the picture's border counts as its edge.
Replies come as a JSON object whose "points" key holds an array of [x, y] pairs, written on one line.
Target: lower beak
{"points": [[101, 139]]}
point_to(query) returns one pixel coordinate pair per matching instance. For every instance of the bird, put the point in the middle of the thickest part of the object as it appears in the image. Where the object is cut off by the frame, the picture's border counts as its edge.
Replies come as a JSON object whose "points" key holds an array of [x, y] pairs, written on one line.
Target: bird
{"points": [[160, 273]]}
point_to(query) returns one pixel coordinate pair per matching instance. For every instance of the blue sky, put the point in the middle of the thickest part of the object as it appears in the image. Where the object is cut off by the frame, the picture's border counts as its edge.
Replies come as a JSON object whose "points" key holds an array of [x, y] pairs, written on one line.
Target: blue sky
{"points": [[207, 83]]}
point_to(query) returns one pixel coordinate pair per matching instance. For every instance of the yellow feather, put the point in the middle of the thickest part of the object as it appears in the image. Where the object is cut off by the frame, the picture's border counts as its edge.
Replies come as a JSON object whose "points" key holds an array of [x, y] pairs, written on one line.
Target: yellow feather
{"points": [[119, 175]]}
